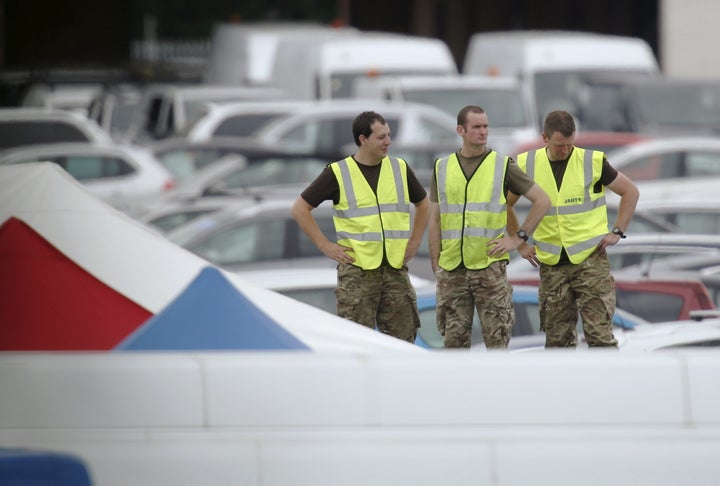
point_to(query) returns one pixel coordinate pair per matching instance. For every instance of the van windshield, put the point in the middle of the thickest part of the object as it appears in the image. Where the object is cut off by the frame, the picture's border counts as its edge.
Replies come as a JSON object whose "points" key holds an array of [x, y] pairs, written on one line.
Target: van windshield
{"points": [[341, 84]]}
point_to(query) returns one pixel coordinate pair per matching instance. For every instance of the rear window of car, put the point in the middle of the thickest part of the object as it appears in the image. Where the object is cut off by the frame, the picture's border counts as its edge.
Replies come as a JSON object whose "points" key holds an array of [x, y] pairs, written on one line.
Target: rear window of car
{"points": [[651, 306], [18, 133]]}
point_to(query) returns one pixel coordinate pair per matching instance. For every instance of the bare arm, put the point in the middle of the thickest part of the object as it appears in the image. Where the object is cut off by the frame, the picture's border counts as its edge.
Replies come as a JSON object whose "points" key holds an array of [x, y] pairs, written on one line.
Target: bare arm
{"points": [[629, 195], [434, 236], [540, 205], [420, 222], [302, 212]]}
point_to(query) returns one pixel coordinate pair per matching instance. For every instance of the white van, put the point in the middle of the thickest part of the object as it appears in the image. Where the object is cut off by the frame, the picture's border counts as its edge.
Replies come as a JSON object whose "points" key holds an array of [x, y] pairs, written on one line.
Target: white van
{"points": [[309, 68], [512, 118], [553, 64], [244, 53]]}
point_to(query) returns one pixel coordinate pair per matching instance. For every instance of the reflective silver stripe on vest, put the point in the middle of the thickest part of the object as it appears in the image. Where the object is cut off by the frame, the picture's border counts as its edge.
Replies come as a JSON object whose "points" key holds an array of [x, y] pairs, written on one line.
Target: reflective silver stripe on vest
{"points": [[469, 231], [530, 165], [353, 211], [442, 184], [344, 235], [584, 245], [491, 207]]}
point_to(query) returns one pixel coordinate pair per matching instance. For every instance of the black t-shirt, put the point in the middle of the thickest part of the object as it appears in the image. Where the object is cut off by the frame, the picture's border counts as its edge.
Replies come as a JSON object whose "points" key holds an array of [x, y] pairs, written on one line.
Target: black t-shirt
{"points": [[325, 186]]}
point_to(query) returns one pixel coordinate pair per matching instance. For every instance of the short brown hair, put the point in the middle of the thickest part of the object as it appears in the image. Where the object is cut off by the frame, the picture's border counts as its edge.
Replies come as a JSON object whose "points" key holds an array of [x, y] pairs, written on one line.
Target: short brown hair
{"points": [[362, 124], [463, 114], [559, 121]]}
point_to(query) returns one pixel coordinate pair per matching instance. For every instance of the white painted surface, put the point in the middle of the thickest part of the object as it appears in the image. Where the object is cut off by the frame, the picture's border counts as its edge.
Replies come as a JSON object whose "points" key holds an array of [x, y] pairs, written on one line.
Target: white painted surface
{"points": [[688, 38], [457, 418]]}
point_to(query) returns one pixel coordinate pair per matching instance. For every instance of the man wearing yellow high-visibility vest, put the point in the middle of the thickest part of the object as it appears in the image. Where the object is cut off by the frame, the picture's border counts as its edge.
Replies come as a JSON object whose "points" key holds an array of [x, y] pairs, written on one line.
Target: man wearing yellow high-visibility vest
{"points": [[377, 234], [570, 241], [468, 247]]}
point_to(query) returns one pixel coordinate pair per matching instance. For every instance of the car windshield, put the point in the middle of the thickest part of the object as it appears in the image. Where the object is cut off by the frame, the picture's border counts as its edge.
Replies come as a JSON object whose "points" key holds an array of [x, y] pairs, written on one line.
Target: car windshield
{"points": [[678, 105], [505, 105]]}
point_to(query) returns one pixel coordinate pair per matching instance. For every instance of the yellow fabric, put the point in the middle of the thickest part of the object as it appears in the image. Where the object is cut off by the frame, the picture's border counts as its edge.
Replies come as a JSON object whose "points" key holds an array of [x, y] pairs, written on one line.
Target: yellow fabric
{"points": [[580, 231], [472, 211], [383, 228]]}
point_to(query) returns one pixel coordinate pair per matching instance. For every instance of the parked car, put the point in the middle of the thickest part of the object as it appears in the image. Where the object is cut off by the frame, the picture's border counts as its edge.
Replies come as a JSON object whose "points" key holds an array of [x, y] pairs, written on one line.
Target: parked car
{"points": [[553, 64], [512, 119], [653, 299], [261, 235], [243, 119], [255, 236], [30, 126], [119, 174], [167, 110], [312, 285], [316, 286], [186, 158], [670, 158], [674, 335], [114, 108], [595, 140], [642, 248], [693, 214], [326, 126]]}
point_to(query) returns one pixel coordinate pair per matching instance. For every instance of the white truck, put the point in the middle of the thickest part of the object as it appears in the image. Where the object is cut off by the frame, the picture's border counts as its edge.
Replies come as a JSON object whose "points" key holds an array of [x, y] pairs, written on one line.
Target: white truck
{"points": [[552, 64], [311, 68]]}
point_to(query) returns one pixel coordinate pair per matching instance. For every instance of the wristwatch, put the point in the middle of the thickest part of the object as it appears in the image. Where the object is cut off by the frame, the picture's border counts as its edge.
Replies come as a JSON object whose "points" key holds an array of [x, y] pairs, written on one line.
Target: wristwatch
{"points": [[619, 232], [523, 234]]}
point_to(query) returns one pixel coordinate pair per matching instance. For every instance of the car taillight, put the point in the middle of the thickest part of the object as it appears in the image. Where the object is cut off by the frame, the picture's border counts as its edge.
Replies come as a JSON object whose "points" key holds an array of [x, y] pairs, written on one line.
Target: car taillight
{"points": [[169, 184]]}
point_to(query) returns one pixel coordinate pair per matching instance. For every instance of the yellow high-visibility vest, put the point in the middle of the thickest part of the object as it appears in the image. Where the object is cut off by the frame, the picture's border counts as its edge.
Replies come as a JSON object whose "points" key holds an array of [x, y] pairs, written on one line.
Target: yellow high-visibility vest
{"points": [[373, 224], [577, 219], [472, 211]]}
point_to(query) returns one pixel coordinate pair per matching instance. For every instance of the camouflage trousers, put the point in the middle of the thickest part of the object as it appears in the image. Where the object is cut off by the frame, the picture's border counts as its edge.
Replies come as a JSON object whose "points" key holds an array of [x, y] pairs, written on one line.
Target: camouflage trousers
{"points": [[461, 291], [382, 299], [587, 288]]}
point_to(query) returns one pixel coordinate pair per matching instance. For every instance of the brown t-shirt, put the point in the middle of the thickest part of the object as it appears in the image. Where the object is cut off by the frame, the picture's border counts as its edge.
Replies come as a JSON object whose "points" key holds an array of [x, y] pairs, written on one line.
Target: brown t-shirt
{"points": [[516, 180], [325, 186]]}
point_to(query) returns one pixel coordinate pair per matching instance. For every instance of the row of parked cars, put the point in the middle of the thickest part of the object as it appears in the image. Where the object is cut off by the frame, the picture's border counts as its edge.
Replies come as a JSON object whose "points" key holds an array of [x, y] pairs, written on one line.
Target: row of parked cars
{"points": [[216, 168]]}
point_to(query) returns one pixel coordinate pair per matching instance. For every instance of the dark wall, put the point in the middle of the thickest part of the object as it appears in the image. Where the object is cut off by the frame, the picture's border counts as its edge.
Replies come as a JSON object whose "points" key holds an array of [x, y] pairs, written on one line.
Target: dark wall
{"points": [[37, 33]]}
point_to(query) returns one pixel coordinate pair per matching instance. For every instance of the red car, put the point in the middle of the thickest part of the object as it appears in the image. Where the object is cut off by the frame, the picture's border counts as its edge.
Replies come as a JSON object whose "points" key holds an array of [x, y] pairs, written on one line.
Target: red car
{"points": [[603, 141], [655, 300]]}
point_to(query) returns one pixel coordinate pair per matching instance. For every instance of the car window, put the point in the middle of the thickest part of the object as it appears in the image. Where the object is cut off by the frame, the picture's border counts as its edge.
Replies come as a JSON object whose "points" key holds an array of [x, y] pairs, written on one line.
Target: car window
{"points": [[526, 315], [270, 171], [651, 306], [657, 166], [701, 164], [305, 247], [322, 298], [17, 133], [433, 131], [254, 242], [174, 220], [244, 125], [91, 167]]}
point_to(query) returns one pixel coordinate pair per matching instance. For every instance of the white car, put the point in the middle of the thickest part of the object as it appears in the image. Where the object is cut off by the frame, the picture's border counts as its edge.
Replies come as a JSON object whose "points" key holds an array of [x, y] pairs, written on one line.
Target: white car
{"points": [[670, 167], [30, 126], [703, 333], [167, 110], [312, 285], [119, 174], [241, 119], [326, 126]]}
